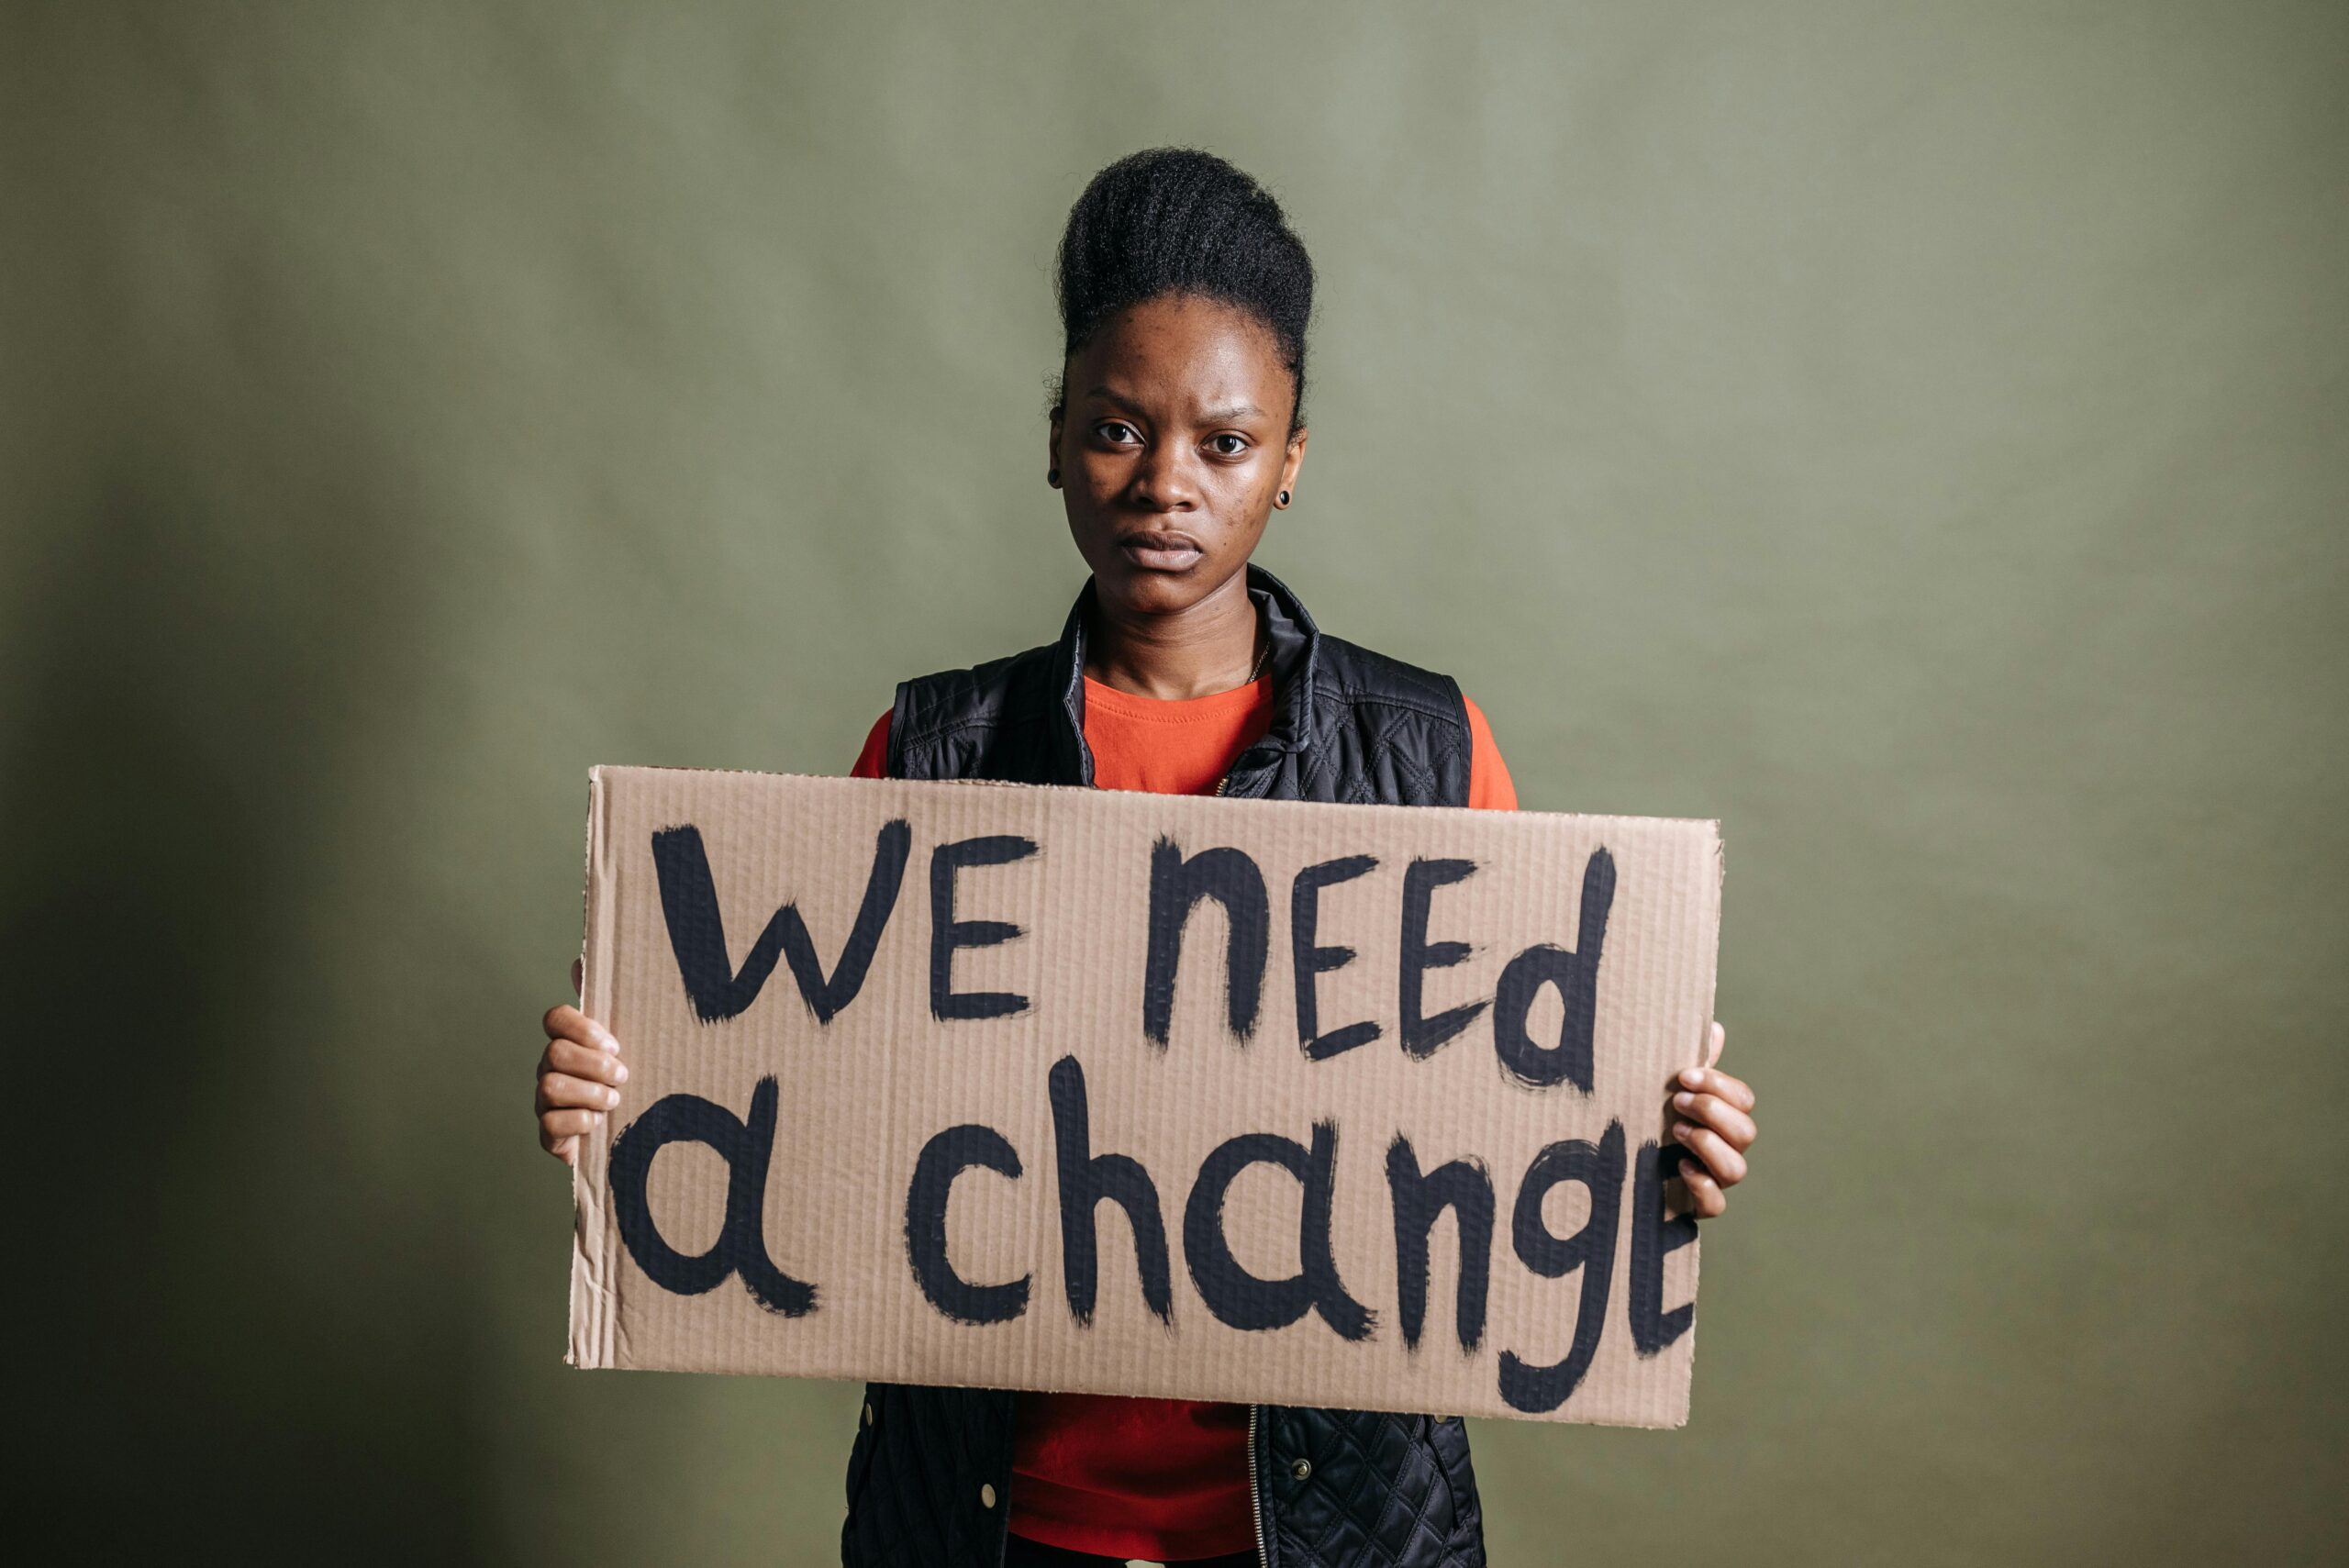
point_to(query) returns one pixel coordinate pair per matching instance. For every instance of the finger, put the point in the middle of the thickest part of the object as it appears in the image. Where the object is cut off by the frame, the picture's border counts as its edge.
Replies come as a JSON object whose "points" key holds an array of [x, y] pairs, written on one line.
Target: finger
{"points": [[1718, 1038], [561, 1089], [579, 1062], [564, 1149], [1680, 1194], [1713, 1081], [1706, 1199], [1725, 1165], [1713, 1111], [568, 1123], [564, 1022]]}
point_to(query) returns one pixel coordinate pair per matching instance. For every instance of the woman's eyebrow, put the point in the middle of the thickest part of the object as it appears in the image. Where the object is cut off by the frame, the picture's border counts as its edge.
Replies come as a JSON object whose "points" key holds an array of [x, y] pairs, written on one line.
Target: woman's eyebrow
{"points": [[1229, 411]]}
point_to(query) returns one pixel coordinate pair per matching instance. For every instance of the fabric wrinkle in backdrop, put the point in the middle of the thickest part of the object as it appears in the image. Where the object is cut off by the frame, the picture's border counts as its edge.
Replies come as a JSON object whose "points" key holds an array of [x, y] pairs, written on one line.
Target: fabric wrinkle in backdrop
{"points": [[1910, 435]]}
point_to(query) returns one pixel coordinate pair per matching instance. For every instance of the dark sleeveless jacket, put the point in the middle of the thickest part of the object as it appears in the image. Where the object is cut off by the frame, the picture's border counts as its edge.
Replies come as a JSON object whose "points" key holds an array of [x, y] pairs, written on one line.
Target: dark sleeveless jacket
{"points": [[930, 1477]]}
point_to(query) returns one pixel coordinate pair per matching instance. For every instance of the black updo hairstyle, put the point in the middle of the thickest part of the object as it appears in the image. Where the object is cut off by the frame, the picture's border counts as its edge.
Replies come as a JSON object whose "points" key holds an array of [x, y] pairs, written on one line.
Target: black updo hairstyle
{"points": [[1176, 220]]}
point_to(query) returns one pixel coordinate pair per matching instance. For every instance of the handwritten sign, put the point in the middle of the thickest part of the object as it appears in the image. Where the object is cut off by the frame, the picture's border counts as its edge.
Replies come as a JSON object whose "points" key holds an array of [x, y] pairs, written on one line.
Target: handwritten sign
{"points": [[1102, 1091]]}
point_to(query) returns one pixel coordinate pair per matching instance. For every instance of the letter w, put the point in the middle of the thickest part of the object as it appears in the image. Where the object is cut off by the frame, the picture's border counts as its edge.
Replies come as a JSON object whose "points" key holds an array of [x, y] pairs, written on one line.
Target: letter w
{"points": [[697, 934]]}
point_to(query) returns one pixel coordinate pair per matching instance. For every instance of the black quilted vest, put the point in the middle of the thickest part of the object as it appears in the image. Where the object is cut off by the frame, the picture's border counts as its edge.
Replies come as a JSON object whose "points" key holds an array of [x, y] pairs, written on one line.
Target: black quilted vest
{"points": [[930, 1477]]}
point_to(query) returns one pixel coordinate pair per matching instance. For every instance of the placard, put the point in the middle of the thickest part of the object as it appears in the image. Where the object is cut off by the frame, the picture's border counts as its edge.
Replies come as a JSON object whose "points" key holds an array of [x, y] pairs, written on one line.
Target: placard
{"points": [[1094, 1091]]}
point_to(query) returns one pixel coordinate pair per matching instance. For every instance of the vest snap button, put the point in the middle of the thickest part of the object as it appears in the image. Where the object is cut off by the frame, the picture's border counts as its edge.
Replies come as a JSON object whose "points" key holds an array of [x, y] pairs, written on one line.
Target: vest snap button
{"points": [[868, 1415], [986, 1494], [1301, 1469]]}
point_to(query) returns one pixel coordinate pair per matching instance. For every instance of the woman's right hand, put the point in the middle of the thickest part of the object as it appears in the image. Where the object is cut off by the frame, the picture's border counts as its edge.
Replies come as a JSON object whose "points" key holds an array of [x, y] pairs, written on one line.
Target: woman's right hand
{"points": [[579, 1077]]}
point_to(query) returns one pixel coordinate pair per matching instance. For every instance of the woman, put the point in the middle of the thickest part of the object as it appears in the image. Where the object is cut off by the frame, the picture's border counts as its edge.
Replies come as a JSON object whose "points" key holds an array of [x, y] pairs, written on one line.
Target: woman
{"points": [[1178, 431]]}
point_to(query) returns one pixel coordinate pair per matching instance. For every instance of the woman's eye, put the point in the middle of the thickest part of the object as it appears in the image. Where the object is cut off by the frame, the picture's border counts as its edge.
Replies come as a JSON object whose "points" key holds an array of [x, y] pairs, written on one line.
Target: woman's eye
{"points": [[1116, 431], [1239, 444]]}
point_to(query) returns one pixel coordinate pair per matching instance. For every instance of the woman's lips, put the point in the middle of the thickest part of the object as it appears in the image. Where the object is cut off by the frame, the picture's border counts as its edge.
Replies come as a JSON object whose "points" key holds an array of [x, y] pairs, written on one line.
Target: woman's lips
{"points": [[1161, 552]]}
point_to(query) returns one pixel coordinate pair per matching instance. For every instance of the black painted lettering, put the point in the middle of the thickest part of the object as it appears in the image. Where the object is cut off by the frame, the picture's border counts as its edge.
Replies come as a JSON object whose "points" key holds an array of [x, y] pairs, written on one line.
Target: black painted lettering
{"points": [[1575, 975], [1176, 883], [1304, 913], [1462, 1186], [697, 934], [943, 1159], [1085, 1179], [948, 934], [1420, 879], [740, 1249], [1599, 1168], [1242, 1299], [1654, 1238]]}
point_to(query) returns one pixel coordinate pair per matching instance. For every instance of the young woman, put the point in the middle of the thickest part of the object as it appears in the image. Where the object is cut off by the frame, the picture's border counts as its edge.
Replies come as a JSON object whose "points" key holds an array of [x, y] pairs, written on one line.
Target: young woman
{"points": [[1179, 430]]}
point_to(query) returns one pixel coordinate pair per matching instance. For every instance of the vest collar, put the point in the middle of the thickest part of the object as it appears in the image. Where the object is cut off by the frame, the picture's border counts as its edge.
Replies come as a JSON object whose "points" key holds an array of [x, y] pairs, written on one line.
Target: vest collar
{"points": [[1296, 658]]}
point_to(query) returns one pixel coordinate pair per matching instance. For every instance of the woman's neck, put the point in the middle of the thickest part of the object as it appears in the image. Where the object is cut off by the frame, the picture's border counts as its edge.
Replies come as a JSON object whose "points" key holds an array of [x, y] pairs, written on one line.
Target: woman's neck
{"points": [[1209, 647]]}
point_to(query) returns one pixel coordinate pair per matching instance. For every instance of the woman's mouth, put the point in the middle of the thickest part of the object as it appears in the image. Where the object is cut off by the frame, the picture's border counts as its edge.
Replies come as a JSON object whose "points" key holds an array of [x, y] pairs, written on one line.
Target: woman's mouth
{"points": [[1161, 552]]}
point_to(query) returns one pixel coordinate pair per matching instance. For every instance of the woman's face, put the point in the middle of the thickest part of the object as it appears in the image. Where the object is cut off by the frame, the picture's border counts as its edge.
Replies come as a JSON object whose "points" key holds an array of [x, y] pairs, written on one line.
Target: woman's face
{"points": [[1173, 443]]}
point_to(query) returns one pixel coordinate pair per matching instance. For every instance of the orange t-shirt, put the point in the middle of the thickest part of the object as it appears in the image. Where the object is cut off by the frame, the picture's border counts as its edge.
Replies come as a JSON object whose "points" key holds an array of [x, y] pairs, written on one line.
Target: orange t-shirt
{"points": [[1157, 1479]]}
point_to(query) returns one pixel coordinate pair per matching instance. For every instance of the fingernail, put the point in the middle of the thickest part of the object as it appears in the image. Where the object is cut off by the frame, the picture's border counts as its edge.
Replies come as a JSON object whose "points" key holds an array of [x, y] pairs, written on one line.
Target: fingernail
{"points": [[620, 1073], [1684, 1099], [611, 1098], [604, 1037], [1692, 1076], [1682, 1132]]}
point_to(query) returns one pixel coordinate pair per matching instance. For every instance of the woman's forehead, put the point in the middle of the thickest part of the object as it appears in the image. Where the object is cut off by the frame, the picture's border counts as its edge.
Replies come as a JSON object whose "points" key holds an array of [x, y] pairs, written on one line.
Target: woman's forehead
{"points": [[1198, 354]]}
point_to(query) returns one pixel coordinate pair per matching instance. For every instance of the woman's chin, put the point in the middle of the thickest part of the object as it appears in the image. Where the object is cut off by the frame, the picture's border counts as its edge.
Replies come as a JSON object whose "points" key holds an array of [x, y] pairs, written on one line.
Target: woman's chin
{"points": [[1139, 594]]}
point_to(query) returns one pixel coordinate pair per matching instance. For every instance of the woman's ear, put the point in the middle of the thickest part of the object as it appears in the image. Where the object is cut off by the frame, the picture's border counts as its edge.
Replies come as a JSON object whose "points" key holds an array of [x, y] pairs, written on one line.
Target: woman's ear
{"points": [[1293, 460]]}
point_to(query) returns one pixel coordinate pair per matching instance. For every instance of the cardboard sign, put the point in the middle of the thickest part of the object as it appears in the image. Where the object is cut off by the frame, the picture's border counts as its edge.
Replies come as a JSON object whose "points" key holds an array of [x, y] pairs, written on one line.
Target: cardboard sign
{"points": [[1070, 1089]]}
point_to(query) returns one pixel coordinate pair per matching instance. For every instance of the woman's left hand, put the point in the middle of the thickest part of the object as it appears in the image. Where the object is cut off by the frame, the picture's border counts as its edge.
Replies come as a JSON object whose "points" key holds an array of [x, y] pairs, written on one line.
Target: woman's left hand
{"points": [[1714, 1122]]}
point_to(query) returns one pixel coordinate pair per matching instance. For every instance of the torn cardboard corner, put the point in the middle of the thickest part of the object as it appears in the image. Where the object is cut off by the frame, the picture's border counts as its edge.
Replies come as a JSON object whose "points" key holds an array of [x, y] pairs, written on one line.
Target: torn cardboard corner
{"points": [[1113, 1093]]}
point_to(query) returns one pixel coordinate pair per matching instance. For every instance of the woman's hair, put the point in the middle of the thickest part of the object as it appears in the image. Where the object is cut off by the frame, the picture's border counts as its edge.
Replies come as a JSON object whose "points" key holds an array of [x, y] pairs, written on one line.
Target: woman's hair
{"points": [[1176, 220]]}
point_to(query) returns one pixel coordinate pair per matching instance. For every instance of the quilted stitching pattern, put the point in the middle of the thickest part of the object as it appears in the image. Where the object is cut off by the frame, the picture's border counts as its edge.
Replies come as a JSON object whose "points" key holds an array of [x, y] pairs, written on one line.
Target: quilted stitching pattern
{"points": [[1381, 1491], [915, 1479]]}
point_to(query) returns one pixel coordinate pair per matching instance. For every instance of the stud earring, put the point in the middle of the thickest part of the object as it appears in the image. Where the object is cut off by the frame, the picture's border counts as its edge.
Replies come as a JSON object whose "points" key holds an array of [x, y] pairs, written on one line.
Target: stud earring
{"points": [[1052, 477], [1283, 501]]}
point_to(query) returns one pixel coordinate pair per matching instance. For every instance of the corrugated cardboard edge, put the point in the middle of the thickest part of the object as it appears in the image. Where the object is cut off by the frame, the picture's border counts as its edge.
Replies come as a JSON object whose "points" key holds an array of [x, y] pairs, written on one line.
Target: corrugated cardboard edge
{"points": [[592, 1286], [1704, 1047]]}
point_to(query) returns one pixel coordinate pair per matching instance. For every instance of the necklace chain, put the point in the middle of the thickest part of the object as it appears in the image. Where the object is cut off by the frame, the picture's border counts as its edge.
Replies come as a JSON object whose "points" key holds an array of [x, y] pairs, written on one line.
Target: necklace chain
{"points": [[1256, 671]]}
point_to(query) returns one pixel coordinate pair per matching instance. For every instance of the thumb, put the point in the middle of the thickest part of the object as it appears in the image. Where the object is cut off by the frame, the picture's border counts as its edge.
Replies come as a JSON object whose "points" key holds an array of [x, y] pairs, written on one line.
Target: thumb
{"points": [[1713, 1044]]}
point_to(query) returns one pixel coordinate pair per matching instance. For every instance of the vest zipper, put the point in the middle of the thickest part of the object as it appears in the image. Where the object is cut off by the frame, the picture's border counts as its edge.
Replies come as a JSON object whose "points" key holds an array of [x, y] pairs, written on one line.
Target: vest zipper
{"points": [[1224, 784], [1256, 1487]]}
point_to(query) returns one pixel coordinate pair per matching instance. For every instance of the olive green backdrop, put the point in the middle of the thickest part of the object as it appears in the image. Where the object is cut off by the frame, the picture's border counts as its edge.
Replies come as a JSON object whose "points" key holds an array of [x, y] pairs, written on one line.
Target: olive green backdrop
{"points": [[1912, 435]]}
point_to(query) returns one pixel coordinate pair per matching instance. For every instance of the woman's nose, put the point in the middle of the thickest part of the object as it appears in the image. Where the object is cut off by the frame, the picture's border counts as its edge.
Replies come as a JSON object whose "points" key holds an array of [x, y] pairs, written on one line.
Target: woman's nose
{"points": [[1162, 481]]}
